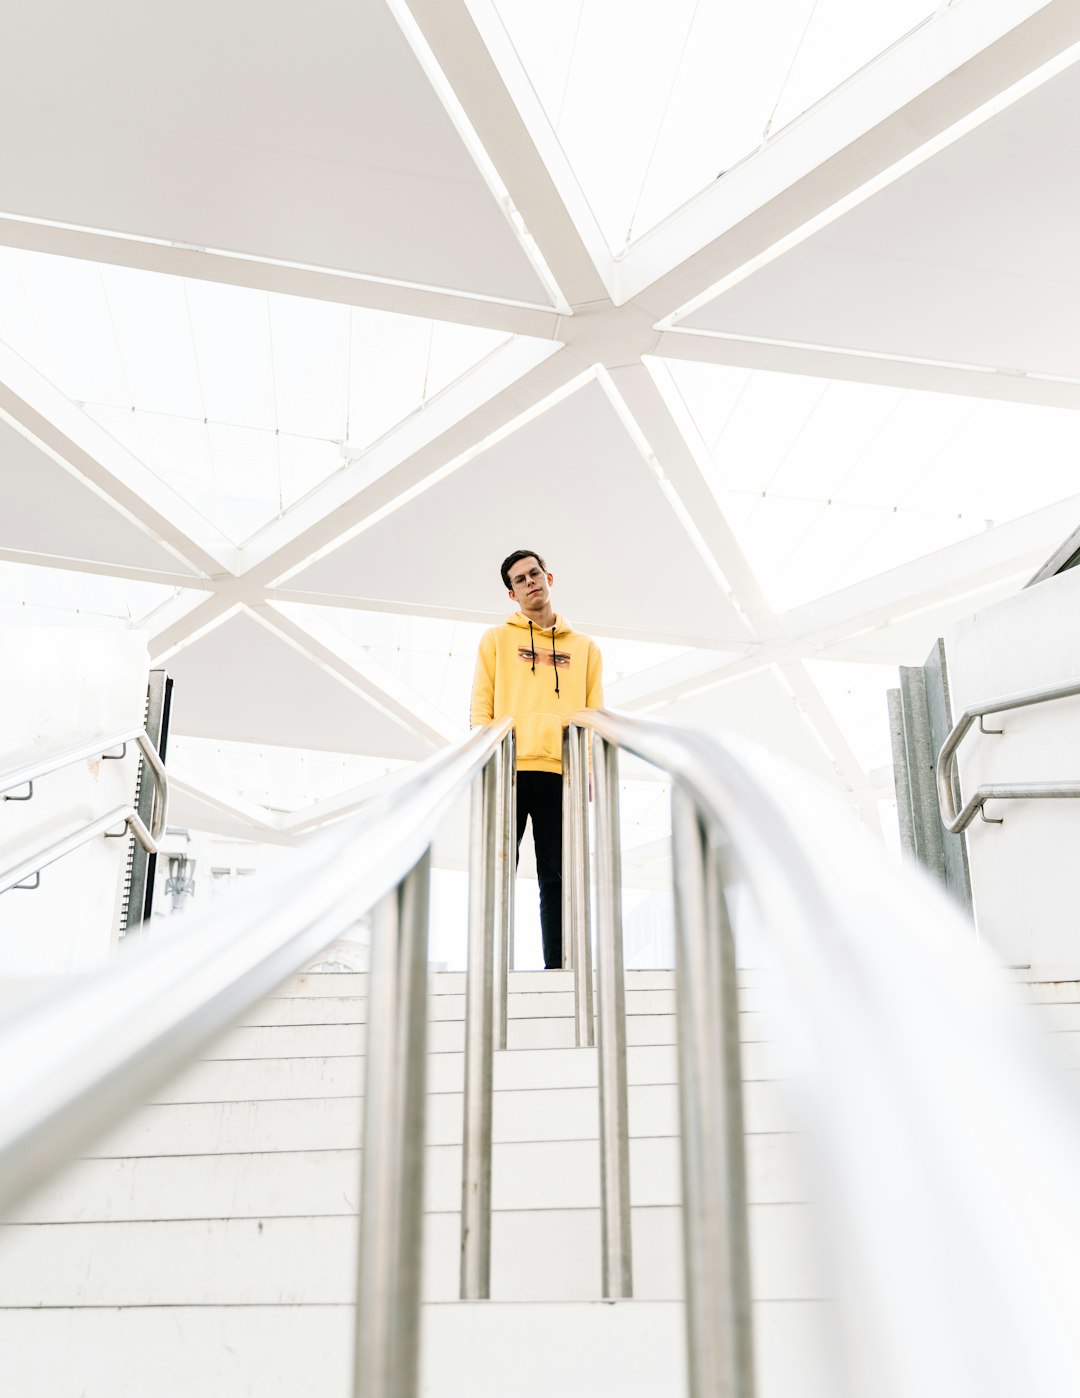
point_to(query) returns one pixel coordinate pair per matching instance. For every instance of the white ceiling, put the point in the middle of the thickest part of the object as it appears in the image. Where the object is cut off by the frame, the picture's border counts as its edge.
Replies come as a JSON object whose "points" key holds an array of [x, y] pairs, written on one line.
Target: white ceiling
{"points": [[757, 536], [224, 687], [310, 136], [970, 258], [572, 477]]}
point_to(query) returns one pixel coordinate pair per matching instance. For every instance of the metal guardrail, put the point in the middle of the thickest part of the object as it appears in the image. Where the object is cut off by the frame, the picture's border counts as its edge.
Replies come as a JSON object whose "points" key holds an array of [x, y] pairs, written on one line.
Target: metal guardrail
{"points": [[74, 1064], [916, 1177], [26, 776], [956, 821], [716, 1250]]}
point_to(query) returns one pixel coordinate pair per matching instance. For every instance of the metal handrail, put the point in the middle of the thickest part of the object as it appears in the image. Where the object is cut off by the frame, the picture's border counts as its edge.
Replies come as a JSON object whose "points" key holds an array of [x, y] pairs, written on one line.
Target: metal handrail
{"points": [[75, 1063], [932, 1104], [858, 938], [716, 1250], [42, 767], [956, 821]]}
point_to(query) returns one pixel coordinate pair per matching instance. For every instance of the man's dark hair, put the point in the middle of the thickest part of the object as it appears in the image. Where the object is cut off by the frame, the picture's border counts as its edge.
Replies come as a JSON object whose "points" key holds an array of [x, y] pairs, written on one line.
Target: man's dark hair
{"points": [[516, 557]]}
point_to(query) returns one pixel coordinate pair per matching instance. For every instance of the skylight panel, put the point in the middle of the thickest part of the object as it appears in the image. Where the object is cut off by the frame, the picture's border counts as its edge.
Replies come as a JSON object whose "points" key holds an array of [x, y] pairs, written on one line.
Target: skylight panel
{"points": [[841, 37], [247, 476], [849, 480], [240, 400], [71, 310], [231, 329], [18, 328], [764, 428], [454, 350], [387, 368], [305, 464], [652, 106], [152, 327], [843, 424], [855, 695], [37, 596], [311, 366], [279, 778]]}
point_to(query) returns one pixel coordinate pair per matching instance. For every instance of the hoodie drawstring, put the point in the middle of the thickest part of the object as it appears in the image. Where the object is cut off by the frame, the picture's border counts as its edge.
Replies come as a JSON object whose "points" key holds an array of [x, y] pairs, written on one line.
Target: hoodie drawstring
{"points": [[554, 657]]}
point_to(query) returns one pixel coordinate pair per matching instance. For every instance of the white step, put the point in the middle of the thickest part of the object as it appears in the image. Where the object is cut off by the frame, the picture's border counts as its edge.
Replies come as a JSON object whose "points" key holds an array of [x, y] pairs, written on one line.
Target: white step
{"points": [[551, 1254], [240, 1079], [336, 1123], [453, 982], [634, 1349], [525, 1175], [448, 1036], [352, 1009]]}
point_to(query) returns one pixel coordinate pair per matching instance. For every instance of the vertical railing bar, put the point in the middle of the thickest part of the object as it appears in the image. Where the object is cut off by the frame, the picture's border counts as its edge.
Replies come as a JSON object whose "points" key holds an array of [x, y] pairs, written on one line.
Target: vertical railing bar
{"points": [[616, 1250], [479, 1042], [715, 1246], [504, 877], [392, 1185], [580, 929], [584, 948], [567, 851], [511, 825]]}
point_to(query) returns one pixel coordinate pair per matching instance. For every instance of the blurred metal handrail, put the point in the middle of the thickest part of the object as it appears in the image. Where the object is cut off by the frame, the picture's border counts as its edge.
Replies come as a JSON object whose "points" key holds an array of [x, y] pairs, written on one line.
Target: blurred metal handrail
{"points": [[951, 1144], [956, 821], [73, 1064], [716, 1249], [42, 767]]}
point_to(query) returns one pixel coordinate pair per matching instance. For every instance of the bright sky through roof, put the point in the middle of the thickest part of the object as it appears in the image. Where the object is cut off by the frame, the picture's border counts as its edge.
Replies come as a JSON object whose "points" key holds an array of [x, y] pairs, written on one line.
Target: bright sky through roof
{"points": [[243, 401], [826, 483], [652, 106]]}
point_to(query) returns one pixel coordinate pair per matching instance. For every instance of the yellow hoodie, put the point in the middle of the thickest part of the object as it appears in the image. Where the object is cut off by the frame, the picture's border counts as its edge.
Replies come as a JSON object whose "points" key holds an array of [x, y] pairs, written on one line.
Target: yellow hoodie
{"points": [[538, 677]]}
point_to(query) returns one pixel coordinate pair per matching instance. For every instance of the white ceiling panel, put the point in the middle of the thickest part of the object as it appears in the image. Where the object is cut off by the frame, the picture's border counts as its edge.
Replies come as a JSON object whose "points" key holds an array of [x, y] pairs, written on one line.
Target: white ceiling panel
{"points": [[241, 681], [574, 485], [48, 510], [969, 259], [306, 134]]}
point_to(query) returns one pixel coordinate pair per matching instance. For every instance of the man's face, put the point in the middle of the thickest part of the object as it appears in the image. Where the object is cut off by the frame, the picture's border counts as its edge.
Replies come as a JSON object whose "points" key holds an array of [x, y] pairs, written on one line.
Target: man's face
{"points": [[530, 585]]}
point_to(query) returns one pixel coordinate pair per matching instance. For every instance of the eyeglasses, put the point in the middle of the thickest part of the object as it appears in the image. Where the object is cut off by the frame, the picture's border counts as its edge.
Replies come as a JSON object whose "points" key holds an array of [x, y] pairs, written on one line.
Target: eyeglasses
{"points": [[532, 575]]}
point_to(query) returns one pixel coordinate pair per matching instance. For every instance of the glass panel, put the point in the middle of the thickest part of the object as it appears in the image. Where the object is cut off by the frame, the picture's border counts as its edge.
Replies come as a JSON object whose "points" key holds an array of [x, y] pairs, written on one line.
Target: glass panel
{"points": [[827, 483], [652, 105], [242, 401], [281, 779], [34, 596]]}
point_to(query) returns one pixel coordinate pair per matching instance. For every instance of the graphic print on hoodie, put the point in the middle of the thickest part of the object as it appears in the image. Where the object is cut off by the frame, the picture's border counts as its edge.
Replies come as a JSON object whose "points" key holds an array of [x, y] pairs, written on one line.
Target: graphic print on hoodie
{"points": [[538, 676]]}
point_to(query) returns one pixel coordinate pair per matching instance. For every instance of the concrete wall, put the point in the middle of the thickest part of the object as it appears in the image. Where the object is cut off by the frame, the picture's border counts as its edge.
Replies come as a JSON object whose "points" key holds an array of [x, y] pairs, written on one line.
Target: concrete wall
{"points": [[61, 687], [1025, 873]]}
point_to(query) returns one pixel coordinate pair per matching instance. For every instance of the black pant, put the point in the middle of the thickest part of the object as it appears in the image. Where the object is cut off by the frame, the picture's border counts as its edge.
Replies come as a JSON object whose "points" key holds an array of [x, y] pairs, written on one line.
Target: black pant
{"points": [[539, 796]]}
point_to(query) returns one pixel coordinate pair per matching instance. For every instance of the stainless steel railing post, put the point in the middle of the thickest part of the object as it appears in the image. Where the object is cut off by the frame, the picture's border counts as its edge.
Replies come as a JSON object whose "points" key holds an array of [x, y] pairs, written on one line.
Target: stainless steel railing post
{"points": [[618, 1273], [580, 917], [479, 1042], [392, 1192], [504, 882], [511, 825], [715, 1236], [567, 855]]}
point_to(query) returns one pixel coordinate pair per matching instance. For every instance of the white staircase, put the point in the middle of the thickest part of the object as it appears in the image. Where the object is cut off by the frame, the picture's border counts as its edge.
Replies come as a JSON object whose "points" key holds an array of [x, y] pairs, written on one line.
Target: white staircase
{"points": [[208, 1245]]}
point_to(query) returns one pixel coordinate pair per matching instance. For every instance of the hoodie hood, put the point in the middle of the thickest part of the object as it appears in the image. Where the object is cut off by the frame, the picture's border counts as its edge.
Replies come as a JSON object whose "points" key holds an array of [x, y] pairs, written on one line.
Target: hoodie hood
{"points": [[562, 625]]}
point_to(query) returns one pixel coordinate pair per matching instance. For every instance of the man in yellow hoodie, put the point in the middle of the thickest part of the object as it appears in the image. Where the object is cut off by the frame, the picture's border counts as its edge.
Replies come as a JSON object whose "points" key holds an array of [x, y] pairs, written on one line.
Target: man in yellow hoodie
{"points": [[538, 671]]}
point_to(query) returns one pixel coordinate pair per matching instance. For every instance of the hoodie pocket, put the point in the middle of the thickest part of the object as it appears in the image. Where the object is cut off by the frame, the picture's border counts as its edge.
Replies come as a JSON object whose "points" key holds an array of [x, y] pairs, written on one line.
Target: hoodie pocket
{"points": [[539, 736]]}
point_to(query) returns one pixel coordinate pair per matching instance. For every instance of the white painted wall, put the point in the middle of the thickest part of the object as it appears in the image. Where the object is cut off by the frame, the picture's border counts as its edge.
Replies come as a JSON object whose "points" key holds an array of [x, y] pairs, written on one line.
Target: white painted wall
{"points": [[1025, 873], [61, 687]]}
